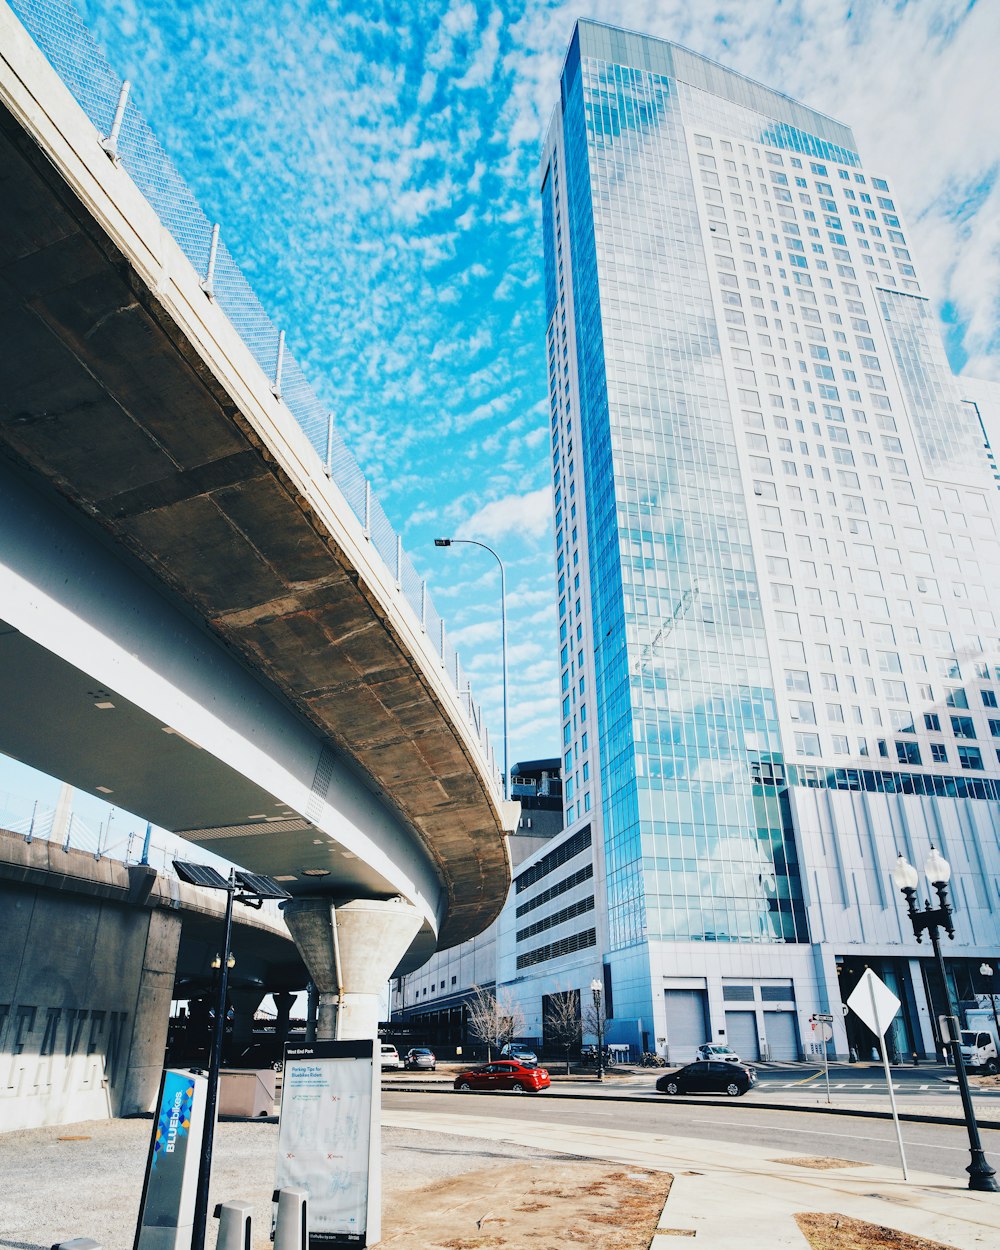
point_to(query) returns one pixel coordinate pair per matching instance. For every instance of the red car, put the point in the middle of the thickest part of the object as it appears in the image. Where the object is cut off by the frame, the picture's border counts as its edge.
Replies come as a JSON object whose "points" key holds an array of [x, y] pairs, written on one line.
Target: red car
{"points": [[504, 1074]]}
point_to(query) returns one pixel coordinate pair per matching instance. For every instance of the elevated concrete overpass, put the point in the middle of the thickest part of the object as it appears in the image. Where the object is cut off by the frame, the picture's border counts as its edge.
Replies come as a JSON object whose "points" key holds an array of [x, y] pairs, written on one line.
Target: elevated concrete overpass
{"points": [[194, 621]]}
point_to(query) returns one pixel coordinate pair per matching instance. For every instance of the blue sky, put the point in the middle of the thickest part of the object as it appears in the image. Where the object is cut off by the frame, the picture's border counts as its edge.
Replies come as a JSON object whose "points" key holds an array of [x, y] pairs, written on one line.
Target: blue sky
{"points": [[374, 171]]}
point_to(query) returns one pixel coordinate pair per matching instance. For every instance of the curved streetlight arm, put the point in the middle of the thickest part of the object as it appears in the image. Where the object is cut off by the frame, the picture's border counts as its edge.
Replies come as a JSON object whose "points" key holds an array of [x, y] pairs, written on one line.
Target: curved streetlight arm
{"points": [[472, 542]]}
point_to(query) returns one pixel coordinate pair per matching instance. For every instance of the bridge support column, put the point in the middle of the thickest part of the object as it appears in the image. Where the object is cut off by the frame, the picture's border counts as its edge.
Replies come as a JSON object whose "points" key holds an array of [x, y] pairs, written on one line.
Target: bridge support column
{"points": [[350, 950], [245, 1003], [284, 1000]]}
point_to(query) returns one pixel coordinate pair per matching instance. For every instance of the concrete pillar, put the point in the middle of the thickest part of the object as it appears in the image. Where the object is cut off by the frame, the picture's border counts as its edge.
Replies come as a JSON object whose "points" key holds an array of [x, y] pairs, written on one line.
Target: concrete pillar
{"points": [[151, 1014], [350, 950], [284, 1000], [245, 1001]]}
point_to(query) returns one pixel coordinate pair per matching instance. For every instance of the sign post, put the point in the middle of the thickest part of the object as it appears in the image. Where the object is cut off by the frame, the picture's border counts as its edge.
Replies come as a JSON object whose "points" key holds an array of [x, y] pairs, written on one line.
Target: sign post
{"points": [[878, 1006], [822, 1024], [329, 1139], [167, 1208]]}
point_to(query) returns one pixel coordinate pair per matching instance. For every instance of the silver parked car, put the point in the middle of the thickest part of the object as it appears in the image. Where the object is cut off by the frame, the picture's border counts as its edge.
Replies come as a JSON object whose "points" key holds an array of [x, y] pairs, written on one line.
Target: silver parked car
{"points": [[420, 1058], [523, 1054]]}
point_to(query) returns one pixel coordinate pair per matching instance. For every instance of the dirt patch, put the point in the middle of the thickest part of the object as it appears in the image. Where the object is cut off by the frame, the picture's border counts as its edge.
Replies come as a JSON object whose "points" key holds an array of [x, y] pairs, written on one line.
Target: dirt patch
{"points": [[530, 1206], [820, 1162], [839, 1232]]}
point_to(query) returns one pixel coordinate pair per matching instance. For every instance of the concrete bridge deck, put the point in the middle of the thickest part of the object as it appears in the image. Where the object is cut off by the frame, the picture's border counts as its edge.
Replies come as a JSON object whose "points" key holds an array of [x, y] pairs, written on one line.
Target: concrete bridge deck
{"points": [[194, 619]]}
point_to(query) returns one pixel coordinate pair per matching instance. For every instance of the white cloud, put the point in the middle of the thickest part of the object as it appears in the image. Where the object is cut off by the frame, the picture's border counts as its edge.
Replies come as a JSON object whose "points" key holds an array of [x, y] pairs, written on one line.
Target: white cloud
{"points": [[527, 515]]}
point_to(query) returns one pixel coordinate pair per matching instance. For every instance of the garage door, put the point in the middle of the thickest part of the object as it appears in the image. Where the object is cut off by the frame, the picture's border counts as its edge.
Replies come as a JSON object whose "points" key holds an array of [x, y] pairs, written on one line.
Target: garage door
{"points": [[687, 1023], [741, 1033], [782, 1038]]}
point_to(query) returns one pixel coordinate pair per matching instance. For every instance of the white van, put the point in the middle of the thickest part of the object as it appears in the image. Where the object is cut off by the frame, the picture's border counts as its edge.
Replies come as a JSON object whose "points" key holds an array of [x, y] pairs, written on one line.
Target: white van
{"points": [[979, 1051]]}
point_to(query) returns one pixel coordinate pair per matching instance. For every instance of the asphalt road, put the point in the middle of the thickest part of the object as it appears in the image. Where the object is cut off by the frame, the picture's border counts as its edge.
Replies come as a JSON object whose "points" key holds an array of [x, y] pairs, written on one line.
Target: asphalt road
{"points": [[929, 1147], [860, 1081]]}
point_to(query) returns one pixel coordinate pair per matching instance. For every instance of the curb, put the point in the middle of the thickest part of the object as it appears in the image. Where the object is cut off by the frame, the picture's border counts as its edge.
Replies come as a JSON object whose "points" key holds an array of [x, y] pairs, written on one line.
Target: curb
{"points": [[585, 1096]]}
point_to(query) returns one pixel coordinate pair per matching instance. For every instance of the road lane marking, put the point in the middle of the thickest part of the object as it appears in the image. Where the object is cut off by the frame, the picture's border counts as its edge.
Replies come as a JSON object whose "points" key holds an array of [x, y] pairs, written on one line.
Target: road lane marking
{"points": [[819, 1133], [815, 1076]]}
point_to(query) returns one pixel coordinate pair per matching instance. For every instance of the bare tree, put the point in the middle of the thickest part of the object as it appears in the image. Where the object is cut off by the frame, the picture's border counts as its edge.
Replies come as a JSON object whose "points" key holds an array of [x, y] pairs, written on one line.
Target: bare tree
{"points": [[494, 1018], [562, 1021]]}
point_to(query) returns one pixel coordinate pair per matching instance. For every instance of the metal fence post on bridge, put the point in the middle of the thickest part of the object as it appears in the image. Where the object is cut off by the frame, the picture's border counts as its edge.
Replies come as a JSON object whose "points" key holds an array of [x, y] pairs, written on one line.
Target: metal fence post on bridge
{"points": [[279, 365], [368, 509], [399, 562], [208, 282], [110, 144], [31, 827], [423, 604], [329, 444]]}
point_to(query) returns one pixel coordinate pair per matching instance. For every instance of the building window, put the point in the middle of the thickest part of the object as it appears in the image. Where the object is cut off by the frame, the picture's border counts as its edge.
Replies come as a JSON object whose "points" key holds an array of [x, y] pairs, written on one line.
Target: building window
{"points": [[908, 753], [989, 698], [970, 757], [932, 722], [938, 753], [962, 727]]}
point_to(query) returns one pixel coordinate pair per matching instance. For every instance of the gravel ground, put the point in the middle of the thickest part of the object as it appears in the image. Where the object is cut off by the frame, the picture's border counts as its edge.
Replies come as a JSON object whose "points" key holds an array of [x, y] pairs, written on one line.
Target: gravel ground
{"points": [[86, 1179]]}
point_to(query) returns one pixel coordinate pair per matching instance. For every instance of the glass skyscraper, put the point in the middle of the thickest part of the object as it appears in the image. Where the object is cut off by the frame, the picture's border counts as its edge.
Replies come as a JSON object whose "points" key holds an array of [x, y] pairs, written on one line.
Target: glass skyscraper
{"points": [[777, 564]]}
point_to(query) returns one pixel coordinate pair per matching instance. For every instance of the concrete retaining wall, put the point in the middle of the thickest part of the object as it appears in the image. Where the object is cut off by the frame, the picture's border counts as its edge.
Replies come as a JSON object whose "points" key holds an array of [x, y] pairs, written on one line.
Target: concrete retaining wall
{"points": [[85, 989]]}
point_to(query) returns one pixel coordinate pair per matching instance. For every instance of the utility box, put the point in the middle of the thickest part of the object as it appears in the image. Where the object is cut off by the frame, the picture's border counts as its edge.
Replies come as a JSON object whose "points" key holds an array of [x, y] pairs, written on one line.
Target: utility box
{"points": [[247, 1092]]}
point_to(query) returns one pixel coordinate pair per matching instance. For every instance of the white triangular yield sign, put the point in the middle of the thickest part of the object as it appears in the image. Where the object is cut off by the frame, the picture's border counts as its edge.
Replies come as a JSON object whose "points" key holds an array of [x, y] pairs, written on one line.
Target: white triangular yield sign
{"points": [[874, 1002]]}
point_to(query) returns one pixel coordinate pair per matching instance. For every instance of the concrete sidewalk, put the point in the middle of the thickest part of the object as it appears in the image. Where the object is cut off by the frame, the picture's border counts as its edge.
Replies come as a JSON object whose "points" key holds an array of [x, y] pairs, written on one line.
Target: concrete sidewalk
{"points": [[747, 1196]]}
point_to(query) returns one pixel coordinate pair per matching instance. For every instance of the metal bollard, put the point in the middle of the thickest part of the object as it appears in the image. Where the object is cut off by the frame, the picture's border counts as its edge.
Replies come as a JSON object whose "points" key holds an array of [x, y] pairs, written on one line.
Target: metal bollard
{"points": [[291, 1224], [78, 1243], [235, 1225]]}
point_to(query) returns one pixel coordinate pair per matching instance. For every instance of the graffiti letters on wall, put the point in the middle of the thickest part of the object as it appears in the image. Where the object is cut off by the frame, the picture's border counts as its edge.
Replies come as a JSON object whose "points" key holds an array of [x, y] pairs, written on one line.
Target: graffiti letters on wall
{"points": [[45, 1047]]}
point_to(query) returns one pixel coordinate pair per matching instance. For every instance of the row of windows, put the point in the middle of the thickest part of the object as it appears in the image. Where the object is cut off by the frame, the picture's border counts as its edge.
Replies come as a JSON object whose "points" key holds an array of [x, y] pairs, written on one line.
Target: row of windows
{"points": [[555, 950], [580, 841], [579, 908], [882, 782], [575, 878]]}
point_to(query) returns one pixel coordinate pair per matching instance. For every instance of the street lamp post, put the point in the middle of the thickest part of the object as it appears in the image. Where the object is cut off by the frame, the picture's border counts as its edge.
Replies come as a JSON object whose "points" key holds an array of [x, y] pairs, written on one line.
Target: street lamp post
{"points": [[937, 870], [471, 542], [250, 889], [597, 989], [987, 971]]}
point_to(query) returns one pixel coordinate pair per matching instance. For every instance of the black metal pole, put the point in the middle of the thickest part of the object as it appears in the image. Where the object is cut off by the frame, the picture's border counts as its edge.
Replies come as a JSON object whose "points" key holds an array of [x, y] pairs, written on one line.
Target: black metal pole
{"points": [[600, 1035], [981, 1175], [199, 1227]]}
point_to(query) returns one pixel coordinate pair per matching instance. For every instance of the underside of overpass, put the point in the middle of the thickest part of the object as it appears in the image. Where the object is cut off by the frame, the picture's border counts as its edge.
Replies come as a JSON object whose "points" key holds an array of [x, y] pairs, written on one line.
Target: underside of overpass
{"points": [[193, 623]]}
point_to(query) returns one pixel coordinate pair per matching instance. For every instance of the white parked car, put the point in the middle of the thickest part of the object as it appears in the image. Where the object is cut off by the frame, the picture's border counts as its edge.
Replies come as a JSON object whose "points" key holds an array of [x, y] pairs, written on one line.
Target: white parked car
{"points": [[390, 1056], [720, 1054]]}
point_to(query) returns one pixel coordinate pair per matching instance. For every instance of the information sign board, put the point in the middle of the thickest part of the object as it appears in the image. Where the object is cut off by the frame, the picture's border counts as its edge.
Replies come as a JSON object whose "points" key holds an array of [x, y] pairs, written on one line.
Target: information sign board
{"points": [[328, 1139], [166, 1212]]}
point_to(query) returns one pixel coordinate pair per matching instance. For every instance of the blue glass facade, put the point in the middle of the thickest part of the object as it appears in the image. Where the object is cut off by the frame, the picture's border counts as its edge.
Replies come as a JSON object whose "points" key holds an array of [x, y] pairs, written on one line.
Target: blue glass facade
{"points": [[777, 553], [683, 688]]}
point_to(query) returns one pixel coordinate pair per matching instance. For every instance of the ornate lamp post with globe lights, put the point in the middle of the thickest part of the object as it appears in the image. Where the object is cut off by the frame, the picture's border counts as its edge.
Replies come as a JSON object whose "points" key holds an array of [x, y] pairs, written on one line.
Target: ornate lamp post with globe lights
{"points": [[597, 989], [937, 870]]}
